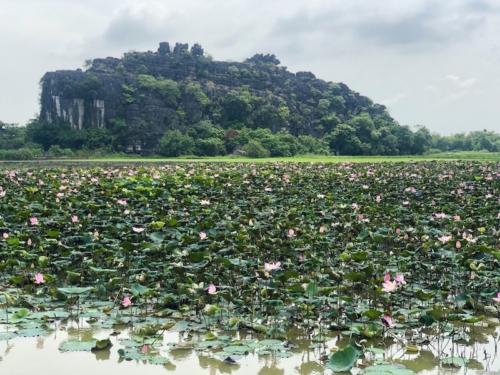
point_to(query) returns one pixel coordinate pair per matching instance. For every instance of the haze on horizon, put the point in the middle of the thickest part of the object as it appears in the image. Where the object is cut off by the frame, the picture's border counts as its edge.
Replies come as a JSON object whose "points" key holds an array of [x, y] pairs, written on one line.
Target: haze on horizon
{"points": [[434, 63]]}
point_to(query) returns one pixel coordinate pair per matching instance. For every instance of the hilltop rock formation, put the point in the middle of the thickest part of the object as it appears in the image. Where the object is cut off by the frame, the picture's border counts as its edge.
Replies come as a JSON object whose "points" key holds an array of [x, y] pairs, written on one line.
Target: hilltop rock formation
{"points": [[148, 93]]}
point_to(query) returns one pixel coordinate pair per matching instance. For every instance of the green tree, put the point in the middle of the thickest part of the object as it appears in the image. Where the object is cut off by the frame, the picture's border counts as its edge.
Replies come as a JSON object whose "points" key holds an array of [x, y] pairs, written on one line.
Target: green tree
{"points": [[312, 145], [210, 147], [12, 136], [363, 125], [344, 141], [280, 144], [206, 129], [237, 105], [254, 149], [166, 88], [96, 138], [175, 143], [421, 141]]}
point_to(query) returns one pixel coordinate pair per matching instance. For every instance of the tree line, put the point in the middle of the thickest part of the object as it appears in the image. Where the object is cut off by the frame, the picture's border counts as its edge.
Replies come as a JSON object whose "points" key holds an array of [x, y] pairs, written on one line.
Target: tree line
{"points": [[207, 139]]}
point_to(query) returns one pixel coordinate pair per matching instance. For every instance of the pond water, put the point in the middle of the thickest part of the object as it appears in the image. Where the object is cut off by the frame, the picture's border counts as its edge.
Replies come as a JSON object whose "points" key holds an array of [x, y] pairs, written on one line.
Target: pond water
{"points": [[41, 355]]}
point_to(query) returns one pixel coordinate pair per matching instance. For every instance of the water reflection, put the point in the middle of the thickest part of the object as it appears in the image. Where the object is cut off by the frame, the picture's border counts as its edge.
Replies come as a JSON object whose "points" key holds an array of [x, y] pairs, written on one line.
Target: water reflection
{"points": [[23, 356], [216, 366], [103, 355]]}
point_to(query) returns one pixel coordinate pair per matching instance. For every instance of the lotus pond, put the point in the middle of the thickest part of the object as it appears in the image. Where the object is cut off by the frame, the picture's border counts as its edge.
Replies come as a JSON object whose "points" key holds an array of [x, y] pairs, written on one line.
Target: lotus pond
{"points": [[251, 268]]}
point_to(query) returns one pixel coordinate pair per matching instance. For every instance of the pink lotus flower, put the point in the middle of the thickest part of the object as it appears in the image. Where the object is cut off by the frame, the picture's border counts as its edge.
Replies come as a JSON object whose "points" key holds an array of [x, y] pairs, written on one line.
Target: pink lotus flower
{"points": [[458, 244], [388, 285], [74, 219], [444, 238], [202, 235], [138, 229], [388, 321], [121, 202], [497, 298], [29, 243], [145, 348], [33, 221], [291, 233], [400, 279], [5, 235], [268, 267], [212, 289], [39, 279], [440, 215], [126, 302]]}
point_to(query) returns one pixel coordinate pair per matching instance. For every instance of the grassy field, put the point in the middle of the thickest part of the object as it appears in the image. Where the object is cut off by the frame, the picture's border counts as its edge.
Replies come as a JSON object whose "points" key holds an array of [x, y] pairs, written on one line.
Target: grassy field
{"points": [[479, 156]]}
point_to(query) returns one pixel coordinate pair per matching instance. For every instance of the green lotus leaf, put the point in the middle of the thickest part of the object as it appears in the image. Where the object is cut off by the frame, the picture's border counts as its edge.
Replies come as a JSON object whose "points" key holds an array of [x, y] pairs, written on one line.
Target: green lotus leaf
{"points": [[344, 359]]}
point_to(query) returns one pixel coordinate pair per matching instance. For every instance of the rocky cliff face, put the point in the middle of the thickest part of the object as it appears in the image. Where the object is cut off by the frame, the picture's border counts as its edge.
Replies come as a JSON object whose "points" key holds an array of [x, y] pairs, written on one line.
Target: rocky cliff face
{"points": [[78, 98], [174, 88]]}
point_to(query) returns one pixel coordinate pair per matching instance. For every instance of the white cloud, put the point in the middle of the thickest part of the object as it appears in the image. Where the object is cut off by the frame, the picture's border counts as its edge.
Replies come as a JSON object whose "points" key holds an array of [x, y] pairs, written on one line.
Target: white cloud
{"points": [[385, 50], [460, 82], [432, 88], [388, 102]]}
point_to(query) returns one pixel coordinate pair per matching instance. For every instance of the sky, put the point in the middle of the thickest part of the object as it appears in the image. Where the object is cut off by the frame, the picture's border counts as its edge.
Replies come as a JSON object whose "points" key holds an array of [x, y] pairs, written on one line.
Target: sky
{"points": [[431, 62]]}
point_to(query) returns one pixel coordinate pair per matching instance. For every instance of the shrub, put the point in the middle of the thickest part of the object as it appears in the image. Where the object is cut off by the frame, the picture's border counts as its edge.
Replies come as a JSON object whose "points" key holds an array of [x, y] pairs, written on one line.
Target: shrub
{"points": [[312, 145], [167, 88], [210, 147], [254, 149], [21, 154], [175, 143], [281, 144], [57, 151]]}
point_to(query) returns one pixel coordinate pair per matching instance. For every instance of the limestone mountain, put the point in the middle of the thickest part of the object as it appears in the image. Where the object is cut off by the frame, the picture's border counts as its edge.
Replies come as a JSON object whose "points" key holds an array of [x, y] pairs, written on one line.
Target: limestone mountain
{"points": [[131, 102]]}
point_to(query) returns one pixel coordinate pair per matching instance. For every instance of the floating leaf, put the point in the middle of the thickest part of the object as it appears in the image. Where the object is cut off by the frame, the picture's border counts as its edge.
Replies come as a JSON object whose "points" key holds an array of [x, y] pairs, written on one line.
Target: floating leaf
{"points": [[75, 291], [344, 359], [19, 315], [456, 362], [102, 345], [387, 369], [77, 346]]}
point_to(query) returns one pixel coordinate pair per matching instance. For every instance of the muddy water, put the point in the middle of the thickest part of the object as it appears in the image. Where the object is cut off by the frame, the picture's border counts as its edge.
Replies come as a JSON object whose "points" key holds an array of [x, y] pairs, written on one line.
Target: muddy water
{"points": [[40, 356]]}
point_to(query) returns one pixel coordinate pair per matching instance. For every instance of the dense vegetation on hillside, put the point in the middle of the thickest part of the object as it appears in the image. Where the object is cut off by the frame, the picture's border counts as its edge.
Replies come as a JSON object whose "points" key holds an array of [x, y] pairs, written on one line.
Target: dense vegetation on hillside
{"points": [[182, 102]]}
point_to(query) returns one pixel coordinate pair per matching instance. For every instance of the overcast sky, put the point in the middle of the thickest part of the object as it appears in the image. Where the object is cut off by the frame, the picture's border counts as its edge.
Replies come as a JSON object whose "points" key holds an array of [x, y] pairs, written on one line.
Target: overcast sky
{"points": [[431, 62]]}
